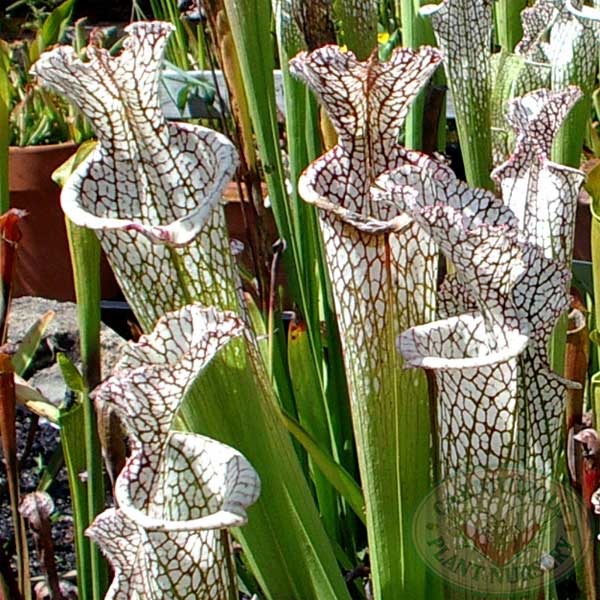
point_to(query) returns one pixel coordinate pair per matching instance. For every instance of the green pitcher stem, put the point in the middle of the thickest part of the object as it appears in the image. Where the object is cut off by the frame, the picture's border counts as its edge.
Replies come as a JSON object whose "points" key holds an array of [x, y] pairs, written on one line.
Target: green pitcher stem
{"points": [[85, 256]]}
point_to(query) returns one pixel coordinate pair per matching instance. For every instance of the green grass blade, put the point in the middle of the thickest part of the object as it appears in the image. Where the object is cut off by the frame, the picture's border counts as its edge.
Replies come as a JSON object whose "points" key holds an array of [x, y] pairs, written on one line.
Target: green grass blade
{"points": [[509, 29], [278, 370], [250, 23], [506, 71], [303, 146], [85, 254], [336, 475], [85, 257], [179, 46], [52, 468], [573, 51], [592, 186], [72, 431], [62, 173], [22, 358], [313, 417]]}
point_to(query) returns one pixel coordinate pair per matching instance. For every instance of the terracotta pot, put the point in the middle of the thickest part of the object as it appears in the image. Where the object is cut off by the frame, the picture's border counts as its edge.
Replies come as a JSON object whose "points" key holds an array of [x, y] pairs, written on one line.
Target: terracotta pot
{"points": [[43, 261]]}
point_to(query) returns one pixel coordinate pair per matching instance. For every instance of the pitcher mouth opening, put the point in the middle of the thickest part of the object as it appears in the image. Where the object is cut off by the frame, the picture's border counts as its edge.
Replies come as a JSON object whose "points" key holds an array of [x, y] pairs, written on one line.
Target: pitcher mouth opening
{"points": [[417, 346], [230, 508]]}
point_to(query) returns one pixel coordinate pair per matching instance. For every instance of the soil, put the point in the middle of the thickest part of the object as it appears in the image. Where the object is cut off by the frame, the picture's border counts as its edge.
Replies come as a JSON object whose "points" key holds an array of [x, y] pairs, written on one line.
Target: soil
{"points": [[45, 443]]}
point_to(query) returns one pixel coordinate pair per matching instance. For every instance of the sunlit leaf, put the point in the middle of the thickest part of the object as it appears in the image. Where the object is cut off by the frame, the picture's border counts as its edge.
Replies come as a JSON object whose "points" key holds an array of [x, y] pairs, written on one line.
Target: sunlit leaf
{"points": [[22, 358], [28, 396], [70, 373]]}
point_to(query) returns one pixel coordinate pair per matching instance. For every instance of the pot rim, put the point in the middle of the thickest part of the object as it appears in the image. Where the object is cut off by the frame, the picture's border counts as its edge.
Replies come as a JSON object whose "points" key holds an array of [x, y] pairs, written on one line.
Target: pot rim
{"points": [[42, 147]]}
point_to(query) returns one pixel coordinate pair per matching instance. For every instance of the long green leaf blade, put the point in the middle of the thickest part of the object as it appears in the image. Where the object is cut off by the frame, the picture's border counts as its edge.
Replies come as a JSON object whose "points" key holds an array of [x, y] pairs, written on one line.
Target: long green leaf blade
{"points": [[85, 258], [336, 475], [508, 23], [22, 358], [4, 131], [72, 431], [312, 416]]}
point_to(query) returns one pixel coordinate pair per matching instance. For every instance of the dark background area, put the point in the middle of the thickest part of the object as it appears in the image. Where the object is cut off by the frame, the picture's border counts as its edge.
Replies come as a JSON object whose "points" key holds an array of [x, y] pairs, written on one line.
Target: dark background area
{"points": [[96, 11], [101, 11]]}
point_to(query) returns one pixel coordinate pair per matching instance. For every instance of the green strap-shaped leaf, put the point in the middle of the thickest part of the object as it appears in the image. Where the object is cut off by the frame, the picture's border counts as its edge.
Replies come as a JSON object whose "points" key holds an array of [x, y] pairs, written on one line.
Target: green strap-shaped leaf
{"points": [[72, 432], [70, 373], [337, 476], [508, 23], [312, 415], [22, 358]]}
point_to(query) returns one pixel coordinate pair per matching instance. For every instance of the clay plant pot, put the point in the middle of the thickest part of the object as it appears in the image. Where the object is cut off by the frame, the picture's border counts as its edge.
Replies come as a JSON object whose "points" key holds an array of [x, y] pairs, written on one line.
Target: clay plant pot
{"points": [[43, 262]]}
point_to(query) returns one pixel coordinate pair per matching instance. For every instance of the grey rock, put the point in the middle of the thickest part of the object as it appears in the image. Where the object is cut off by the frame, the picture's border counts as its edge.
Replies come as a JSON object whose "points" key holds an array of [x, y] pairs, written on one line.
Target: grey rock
{"points": [[62, 335]]}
